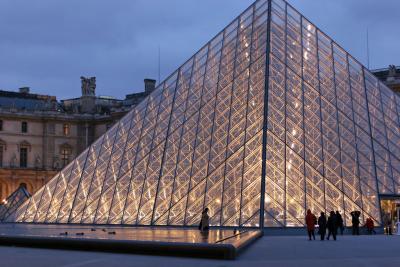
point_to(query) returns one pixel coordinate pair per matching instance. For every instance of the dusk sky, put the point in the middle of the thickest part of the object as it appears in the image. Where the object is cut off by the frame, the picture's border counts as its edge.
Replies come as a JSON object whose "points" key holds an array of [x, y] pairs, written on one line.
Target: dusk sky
{"points": [[48, 44]]}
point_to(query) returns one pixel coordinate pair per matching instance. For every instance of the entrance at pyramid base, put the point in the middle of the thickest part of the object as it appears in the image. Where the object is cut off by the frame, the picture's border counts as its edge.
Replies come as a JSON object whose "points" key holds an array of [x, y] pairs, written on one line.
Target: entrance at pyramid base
{"points": [[168, 241], [390, 208]]}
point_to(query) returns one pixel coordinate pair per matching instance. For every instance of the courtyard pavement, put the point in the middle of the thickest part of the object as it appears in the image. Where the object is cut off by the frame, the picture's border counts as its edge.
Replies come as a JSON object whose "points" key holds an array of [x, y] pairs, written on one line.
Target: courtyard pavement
{"points": [[377, 250]]}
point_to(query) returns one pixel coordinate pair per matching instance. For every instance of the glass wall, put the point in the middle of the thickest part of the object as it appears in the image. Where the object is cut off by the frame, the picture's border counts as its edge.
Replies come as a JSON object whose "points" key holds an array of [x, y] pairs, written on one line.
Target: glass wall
{"points": [[333, 129], [331, 137], [195, 142]]}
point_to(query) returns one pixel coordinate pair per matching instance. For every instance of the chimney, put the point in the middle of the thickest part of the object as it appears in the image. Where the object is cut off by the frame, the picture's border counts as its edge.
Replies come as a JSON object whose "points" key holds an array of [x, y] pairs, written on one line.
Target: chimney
{"points": [[24, 90], [149, 85]]}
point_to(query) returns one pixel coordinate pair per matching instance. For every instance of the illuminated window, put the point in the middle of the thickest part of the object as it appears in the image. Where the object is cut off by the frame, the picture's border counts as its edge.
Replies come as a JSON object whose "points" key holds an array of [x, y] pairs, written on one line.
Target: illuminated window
{"points": [[65, 155], [24, 127], [66, 129]]}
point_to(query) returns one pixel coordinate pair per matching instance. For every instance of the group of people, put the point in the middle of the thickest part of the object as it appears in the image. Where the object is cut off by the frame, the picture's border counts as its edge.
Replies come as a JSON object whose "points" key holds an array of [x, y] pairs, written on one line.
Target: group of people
{"points": [[334, 224]]}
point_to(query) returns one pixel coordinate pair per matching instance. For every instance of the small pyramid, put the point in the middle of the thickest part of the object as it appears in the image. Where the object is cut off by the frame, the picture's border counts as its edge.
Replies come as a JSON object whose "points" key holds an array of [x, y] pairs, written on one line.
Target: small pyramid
{"points": [[13, 201], [268, 119]]}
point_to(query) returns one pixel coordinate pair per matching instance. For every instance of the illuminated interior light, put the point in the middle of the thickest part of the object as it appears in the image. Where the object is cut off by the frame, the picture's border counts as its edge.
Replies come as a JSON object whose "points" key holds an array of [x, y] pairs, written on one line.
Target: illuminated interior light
{"points": [[306, 55], [294, 132]]}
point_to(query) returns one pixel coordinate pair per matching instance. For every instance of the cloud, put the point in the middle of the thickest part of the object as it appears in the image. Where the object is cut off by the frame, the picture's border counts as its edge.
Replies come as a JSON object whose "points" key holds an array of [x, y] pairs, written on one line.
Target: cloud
{"points": [[347, 21]]}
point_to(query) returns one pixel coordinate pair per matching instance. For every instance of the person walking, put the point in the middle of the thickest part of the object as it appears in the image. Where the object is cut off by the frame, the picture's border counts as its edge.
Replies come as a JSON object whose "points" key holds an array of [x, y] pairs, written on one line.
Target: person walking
{"points": [[332, 225], [355, 221], [322, 226], [311, 220], [369, 224], [340, 224], [204, 225]]}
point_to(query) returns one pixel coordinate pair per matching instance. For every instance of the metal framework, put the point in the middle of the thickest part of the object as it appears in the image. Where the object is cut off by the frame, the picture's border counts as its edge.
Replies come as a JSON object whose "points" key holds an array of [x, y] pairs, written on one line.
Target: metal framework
{"points": [[13, 201], [268, 119]]}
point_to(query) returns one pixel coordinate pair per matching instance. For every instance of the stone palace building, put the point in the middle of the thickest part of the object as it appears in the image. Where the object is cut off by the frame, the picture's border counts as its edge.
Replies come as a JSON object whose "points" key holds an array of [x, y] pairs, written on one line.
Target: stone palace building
{"points": [[39, 135]]}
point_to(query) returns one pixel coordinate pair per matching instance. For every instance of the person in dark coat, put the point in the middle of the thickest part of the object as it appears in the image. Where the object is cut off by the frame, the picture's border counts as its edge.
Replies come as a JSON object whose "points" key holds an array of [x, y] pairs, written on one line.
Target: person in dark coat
{"points": [[340, 224], [355, 221], [311, 220], [322, 226], [332, 225], [204, 225]]}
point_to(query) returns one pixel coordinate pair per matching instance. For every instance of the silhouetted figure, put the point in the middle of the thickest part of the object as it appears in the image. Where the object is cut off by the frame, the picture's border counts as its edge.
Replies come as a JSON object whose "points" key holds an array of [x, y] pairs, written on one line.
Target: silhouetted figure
{"points": [[332, 225], [204, 225], [311, 220], [369, 224], [387, 222], [355, 221], [340, 224], [322, 225]]}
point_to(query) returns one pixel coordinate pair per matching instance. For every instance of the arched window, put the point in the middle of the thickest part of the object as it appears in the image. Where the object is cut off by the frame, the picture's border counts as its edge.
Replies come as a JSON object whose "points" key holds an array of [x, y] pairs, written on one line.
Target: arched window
{"points": [[65, 151]]}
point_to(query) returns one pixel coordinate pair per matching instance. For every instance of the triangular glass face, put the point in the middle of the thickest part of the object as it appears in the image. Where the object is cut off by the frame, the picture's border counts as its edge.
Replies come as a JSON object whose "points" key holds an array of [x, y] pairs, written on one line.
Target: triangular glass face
{"points": [[320, 133], [195, 142], [333, 136], [13, 201]]}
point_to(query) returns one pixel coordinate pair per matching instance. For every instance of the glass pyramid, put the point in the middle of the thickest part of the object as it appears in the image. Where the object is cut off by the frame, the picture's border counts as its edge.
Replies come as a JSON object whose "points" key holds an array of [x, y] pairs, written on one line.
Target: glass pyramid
{"points": [[268, 119], [13, 201]]}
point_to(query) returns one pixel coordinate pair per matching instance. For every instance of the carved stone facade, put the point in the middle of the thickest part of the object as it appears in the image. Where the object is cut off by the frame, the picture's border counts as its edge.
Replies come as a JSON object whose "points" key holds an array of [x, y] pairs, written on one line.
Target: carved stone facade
{"points": [[39, 135], [390, 77], [12, 178]]}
